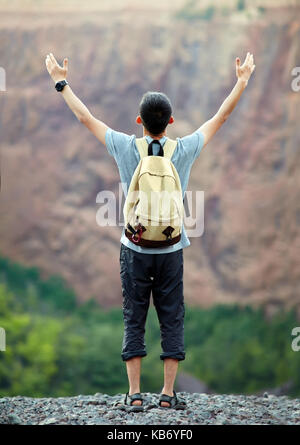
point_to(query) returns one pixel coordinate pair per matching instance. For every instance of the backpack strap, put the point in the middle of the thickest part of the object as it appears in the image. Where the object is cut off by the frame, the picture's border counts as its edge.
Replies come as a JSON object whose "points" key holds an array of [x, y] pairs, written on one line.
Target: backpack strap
{"points": [[168, 147]]}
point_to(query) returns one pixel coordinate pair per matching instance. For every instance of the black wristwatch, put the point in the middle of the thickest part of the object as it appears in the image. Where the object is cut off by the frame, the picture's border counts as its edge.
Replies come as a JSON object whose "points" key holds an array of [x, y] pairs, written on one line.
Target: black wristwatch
{"points": [[59, 86]]}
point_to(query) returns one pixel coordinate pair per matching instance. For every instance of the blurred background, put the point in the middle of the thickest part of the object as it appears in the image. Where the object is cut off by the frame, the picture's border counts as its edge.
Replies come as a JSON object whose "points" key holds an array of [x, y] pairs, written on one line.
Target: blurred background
{"points": [[60, 290]]}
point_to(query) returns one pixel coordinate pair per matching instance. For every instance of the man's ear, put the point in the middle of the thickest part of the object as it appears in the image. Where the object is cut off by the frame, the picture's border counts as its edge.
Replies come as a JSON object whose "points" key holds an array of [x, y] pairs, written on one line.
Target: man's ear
{"points": [[171, 120], [138, 120]]}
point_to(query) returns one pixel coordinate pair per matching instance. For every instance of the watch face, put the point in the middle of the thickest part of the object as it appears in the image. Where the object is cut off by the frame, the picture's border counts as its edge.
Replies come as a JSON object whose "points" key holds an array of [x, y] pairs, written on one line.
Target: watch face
{"points": [[60, 85]]}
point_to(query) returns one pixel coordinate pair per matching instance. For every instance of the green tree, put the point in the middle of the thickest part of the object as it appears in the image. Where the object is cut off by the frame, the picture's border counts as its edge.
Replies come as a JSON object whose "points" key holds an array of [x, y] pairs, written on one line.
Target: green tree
{"points": [[57, 347]]}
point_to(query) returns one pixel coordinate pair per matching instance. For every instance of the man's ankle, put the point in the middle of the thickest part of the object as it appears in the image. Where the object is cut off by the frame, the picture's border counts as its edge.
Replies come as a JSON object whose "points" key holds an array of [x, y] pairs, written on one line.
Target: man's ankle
{"points": [[168, 391], [134, 391]]}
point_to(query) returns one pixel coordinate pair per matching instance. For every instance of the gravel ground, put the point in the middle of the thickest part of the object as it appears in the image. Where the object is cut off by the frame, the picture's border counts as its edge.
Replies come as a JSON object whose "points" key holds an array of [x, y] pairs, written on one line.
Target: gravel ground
{"points": [[202, 409]]}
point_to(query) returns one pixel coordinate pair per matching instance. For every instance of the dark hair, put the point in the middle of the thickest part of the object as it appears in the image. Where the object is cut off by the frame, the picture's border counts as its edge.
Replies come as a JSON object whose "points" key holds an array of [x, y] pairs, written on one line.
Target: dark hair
{"points": [[155, 111]]}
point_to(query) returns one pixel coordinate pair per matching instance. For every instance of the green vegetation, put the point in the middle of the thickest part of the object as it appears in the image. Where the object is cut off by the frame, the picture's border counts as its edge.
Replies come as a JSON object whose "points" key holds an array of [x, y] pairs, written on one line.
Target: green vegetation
{"points": [[236, 350], [193, 11], [261, 9], [55, 347], [241, 4], [189, 12]]}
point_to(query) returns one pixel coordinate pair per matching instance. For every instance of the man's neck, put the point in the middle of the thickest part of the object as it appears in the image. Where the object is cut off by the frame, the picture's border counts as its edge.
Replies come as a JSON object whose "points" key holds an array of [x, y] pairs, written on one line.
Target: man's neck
{"points": [[146, 133]]}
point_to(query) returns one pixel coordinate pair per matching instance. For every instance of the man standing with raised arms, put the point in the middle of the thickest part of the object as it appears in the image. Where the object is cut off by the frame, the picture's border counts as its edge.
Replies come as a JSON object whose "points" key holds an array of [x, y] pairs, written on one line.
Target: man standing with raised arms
{"points": [[158, 270]]}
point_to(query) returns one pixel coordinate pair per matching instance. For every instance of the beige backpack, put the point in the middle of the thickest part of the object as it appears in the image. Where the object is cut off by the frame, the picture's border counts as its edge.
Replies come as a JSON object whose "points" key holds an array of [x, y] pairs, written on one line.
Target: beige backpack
{"points": [[153, 209]]}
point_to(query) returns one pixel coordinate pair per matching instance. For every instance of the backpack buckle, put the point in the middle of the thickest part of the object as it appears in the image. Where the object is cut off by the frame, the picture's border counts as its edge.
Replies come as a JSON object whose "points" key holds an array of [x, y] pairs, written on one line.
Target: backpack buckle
{"points": [[139, 234], [168, 232], [139, 231]]}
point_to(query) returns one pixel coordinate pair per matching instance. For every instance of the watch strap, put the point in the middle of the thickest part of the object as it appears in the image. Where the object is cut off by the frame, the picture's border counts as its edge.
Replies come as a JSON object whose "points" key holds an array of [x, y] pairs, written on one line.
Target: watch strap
{"points": [[59, 86]]}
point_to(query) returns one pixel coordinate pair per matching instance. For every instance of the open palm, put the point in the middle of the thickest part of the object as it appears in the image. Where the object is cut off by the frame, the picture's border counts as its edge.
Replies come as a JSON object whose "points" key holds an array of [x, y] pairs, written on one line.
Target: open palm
{"points": [[56, 71], [244, 71]]}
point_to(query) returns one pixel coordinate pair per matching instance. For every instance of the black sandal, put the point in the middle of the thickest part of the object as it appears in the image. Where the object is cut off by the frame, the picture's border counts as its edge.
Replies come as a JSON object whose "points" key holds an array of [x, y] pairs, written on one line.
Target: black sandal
{"points": [[174, 402], [132, 398]]}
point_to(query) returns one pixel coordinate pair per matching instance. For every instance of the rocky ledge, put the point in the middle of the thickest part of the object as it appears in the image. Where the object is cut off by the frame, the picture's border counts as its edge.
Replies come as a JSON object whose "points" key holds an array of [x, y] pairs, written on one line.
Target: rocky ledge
{"points": [[201, 409]]}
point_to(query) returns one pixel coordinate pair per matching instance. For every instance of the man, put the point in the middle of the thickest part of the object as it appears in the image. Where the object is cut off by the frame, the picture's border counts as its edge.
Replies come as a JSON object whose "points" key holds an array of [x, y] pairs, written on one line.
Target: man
{"points": [[158, 270]]}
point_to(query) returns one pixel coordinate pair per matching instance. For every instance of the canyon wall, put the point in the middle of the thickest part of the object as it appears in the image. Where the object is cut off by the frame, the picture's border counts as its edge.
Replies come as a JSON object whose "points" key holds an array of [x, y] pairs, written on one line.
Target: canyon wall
{"points": [[52, 168]]}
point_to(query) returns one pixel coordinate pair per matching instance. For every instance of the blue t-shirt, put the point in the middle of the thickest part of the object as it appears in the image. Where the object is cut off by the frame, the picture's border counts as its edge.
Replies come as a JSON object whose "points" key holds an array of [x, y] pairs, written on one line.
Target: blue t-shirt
{"points": [[124, 150]]}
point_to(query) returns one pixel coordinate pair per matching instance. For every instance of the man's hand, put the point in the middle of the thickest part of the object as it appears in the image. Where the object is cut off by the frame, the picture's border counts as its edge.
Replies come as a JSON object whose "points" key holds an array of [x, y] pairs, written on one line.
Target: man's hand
{"points": [[244, 72], [56, 71]]}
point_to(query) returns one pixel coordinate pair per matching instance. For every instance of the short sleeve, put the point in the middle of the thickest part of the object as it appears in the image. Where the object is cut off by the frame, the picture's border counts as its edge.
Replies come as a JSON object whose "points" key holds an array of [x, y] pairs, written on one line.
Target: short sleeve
{"points": [[193, 144], [200, 143], [116, 142]]}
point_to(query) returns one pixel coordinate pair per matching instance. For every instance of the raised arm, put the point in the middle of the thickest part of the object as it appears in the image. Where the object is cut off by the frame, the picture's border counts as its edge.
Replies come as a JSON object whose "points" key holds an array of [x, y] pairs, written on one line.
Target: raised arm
{"points": [[57, 73], [243, 73]]}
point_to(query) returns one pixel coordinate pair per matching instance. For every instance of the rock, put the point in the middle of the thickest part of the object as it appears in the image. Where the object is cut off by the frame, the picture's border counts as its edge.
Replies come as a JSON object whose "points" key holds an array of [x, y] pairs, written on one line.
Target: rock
{"points": [[219, 410], [135, 408], [49, 421], [14, 419], [93, 402], [187, 382]]}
